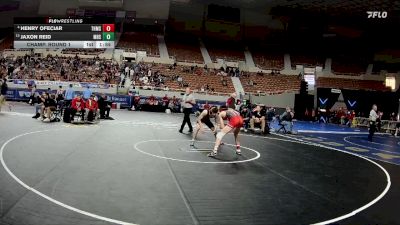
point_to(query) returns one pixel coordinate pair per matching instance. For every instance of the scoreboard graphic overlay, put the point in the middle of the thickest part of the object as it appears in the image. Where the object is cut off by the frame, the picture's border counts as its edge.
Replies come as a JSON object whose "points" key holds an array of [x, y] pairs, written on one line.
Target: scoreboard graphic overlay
{"points": [[63, 33]]}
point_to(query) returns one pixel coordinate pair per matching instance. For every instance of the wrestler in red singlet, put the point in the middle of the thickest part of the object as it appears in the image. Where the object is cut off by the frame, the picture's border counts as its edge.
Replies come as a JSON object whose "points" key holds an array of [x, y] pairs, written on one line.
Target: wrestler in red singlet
{"points": [[235, 122]]}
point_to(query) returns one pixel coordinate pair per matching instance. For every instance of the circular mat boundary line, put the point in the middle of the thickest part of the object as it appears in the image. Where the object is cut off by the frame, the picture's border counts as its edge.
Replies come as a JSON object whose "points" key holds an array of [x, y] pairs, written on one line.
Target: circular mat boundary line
{"points": [[29, 188], [358, 210], [354, 212], [345, 139], [193, 161]]}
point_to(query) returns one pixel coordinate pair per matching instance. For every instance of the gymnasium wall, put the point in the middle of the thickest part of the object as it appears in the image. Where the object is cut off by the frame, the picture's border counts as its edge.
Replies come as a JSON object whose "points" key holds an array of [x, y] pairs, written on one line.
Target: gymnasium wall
{"points": [[26, 8], [278, 101], [56, 7], [186, 17], [158, 9]]}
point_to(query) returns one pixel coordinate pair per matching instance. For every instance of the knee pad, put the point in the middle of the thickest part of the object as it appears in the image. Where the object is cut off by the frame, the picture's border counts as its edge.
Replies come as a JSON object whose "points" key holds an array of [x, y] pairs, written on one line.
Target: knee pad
{"points": [[220, 135]]}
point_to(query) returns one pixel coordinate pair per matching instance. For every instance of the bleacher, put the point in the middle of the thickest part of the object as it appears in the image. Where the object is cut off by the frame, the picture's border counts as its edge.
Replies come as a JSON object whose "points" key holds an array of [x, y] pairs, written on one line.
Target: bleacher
{"points": [[184, 50], [49, 68], [195, 80], [350, 65], [268, 61], [228, 51], [78, 51], [270, 84], [351, 84], [139, 41], [306, 60]]}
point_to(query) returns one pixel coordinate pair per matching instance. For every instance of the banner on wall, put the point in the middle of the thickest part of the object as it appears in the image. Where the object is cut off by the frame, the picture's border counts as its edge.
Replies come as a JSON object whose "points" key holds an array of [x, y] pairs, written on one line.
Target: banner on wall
{"points": [[55, 83], [19, 82], [25, 94], [124, 100], [59, 83], [94, 85]]}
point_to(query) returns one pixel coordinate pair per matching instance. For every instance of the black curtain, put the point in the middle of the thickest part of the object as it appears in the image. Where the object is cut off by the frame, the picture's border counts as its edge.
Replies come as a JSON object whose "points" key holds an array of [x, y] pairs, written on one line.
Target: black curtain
{"points": [[326, 99], [303, 103], [361, 101], [352, 99]]}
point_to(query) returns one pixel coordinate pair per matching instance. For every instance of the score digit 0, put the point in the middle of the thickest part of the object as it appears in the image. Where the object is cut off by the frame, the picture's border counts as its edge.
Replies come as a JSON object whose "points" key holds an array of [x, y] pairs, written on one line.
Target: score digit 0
{"points": [[108, 27], [108, 36]]}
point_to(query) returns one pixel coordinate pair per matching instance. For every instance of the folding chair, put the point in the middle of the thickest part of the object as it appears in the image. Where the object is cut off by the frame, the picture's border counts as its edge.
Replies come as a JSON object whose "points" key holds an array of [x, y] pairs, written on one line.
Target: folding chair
{"points": [[281, 126]]}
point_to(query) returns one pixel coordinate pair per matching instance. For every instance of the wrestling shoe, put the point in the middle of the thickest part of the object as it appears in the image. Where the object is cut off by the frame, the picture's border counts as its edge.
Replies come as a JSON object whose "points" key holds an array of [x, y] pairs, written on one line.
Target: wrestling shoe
{"points": [[212, 154], [238, 152]]}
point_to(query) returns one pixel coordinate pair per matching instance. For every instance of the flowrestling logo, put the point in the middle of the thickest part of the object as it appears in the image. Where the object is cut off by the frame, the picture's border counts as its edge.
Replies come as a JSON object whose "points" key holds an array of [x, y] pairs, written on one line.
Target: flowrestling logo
{"points": [[377, 14]]}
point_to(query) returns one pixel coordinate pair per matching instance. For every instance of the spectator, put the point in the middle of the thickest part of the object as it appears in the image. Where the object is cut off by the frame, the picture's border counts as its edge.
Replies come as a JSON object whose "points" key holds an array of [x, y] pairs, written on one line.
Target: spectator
{"points": [[224, 82], [42, 106], [33, 95], [165, 101], [341, 116], [238, 105], [206, 106], [78, 106], [270, 115], [151, 100], [50, 105], [38, 102], [230, 103], [131, 73], [180, 81], [287, 118], [104, 107], [91, 108], [3, 93], [173, 104], [60, 93], [258, 118], [393, 117], [69, 95], [136, 102], [396, 133], [127, 70], [60, 96], [87, 93], [246, 115]]}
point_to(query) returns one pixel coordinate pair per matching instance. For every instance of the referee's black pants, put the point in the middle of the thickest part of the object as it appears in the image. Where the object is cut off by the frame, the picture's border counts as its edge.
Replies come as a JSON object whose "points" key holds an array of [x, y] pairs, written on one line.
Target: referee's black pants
{"points": [[186, 119], [372, 129]]}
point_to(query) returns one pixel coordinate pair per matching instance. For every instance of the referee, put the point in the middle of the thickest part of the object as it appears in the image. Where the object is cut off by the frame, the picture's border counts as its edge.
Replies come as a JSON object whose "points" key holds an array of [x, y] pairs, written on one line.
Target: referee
{"points": [[372, 121], [187, 104]]}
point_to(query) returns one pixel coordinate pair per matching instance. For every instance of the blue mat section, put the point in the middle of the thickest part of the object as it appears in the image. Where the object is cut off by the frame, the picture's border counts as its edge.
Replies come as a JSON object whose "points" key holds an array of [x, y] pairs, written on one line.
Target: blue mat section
{"points": [[309, 126], [384, 147]]}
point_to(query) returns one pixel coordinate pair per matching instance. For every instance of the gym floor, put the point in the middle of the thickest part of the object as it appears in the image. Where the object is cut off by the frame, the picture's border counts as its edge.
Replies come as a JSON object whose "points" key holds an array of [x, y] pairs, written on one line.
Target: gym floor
{"points": [[138, 169]]}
